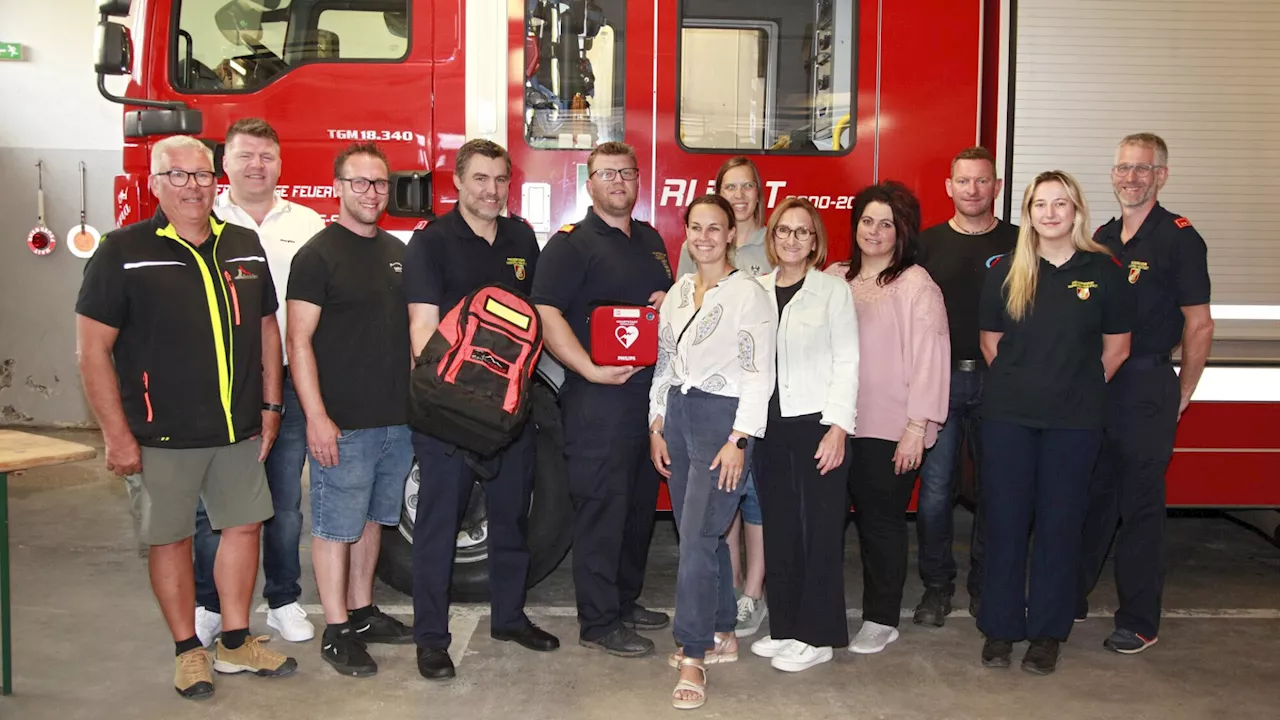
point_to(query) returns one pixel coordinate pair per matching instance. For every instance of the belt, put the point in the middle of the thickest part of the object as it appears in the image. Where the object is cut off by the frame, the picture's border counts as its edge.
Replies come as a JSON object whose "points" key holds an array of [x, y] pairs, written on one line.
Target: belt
{"points": [[1147, 362], [967, 366]]}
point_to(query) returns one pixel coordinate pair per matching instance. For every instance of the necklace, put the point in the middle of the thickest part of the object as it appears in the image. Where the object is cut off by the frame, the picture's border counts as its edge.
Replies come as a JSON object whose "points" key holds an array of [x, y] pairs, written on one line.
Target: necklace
{"points": [[956, 226]]}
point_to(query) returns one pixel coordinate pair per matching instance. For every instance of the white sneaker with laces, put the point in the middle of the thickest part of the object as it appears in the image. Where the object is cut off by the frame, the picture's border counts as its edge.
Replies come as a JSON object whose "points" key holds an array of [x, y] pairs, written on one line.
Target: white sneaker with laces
{"points": [[751, 613], [872, 638], [208, 625], [798, 656], [291, 622], [767, 647]]}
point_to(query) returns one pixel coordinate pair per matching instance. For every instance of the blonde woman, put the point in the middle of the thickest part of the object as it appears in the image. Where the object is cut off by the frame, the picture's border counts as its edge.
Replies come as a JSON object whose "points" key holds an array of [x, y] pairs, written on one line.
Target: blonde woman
{"points": [[803, 465], [738, 182], [1054, 318]]}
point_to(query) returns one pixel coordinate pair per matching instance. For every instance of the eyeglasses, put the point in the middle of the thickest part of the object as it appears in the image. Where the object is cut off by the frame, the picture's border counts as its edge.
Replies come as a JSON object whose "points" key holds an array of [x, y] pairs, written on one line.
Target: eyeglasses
{"points": [[180, 178], [1142, 170], [361, 185], [782, 232], [609, 174], [734, 187]]}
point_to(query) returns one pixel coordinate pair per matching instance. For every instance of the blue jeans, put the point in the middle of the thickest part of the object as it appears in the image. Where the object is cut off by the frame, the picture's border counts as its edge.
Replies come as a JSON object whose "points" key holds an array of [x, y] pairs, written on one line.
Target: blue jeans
{"points": [[696, 428], [367, 484], [935, 527], [280, 534]]}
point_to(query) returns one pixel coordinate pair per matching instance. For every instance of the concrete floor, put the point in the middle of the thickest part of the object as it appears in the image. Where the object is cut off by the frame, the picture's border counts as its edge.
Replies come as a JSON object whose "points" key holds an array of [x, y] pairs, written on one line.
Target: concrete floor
{"points": [[90, 643]]}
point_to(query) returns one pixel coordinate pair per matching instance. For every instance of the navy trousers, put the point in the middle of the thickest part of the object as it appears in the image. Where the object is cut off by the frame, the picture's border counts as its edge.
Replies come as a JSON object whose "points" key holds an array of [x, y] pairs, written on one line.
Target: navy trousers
{"points": [[443, 493], [1128, 487], [1032, 477]]}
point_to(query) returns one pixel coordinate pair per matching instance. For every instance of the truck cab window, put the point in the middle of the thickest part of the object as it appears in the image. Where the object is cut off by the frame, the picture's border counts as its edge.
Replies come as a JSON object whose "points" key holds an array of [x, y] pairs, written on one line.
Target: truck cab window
{"points": [[573, 72], [755, 79], [241, 45]]}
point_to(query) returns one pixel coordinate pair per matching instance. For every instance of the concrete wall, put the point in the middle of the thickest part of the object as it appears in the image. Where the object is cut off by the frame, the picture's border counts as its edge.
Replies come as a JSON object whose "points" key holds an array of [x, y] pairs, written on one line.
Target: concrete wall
{"points": [[52, 113]]}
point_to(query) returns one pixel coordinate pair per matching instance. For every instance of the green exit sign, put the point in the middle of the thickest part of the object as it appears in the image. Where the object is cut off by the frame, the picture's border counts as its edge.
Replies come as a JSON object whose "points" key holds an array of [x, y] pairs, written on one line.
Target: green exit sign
{"points": [[10, 51]]}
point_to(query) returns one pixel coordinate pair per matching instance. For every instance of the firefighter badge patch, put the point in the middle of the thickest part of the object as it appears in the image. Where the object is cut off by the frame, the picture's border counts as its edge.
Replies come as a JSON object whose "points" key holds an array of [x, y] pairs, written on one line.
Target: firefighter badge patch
{"points": [[1135, 271], [518, 265], [1082, 288]]}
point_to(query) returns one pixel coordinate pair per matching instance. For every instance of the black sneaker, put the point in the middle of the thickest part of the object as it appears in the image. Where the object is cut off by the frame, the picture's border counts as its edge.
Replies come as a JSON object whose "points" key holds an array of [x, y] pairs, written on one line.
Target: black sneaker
{"points": [[640, 619], [623, 642], [934, 608], [380, 627], [347, 654], [997, 653], [1128, 642], [1042, 656]]}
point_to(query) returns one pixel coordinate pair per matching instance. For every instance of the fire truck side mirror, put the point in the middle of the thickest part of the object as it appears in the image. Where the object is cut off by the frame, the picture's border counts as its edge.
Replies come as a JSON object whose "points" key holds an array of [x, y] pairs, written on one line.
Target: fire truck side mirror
{"points": [[114, 49], [411, 195], [114, 8]]}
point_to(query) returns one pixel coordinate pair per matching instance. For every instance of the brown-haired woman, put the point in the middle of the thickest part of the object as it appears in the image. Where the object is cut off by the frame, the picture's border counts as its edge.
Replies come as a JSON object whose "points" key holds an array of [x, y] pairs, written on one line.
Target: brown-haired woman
{"points": [[709, 397], [904, 377], [802, 465]]}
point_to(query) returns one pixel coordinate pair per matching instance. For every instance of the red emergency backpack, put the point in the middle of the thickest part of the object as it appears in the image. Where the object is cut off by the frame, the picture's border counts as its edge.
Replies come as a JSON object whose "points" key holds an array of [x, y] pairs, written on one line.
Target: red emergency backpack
{"points": [[470, 387]]}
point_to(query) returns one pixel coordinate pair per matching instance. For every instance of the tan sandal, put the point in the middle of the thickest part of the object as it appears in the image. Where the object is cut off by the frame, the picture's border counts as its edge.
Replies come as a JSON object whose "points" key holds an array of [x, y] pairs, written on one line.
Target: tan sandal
{"points": [[715, 656], [690, 686]]}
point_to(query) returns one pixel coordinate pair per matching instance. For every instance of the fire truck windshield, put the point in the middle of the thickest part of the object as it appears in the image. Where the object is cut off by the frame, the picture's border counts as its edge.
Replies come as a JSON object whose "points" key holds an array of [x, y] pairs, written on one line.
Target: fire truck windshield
{"points": [[241, 45]]}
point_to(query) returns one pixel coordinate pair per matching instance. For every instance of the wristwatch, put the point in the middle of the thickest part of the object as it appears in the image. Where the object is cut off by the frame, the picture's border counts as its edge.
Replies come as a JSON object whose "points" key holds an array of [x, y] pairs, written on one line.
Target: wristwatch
{"points": [[741, 443], [273, 407]]}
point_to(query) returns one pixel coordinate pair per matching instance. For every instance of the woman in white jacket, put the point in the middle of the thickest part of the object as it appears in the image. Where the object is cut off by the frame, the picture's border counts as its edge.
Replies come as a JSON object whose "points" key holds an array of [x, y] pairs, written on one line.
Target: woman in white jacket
{"points": [[801, 468]]}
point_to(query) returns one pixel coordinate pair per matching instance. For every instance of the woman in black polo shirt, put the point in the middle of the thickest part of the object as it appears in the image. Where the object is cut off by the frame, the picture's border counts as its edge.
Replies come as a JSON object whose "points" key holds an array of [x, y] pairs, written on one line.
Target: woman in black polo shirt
{"points": [[1055, 319]]}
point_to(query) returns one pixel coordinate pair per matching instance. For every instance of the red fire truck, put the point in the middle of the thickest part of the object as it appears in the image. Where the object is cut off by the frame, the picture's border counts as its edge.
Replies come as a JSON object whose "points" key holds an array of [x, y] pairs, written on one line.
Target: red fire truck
{"points": [[825, 95]]}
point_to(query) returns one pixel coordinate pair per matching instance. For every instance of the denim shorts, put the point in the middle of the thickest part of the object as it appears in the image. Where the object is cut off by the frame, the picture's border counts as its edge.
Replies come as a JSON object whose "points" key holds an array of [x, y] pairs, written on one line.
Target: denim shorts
{"points": [[751, 502], [367, 484]]}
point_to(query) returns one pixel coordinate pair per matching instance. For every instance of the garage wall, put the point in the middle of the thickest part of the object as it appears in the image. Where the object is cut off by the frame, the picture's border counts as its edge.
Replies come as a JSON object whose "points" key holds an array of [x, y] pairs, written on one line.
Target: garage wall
{"points": [[1205, 77], [53, 114]]}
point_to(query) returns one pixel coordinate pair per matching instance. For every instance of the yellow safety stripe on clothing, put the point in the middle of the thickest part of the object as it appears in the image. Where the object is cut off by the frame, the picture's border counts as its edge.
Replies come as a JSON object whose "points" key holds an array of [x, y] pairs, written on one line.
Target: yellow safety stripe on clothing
{"points": [[225, 369]]}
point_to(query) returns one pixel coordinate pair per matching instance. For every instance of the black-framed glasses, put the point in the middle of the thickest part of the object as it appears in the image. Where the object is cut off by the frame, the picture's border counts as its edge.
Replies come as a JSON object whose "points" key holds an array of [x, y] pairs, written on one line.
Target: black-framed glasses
{"points": [[609, 174], [180, 178], [782, 232], [361, 185], [1142, 170]]}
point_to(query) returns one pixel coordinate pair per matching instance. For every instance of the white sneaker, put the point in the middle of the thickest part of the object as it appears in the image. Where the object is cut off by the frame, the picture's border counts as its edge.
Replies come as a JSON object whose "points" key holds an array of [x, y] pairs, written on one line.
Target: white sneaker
{"points": [[798, 656], [291, 622], [751, 614], [767, 647], [872, 638], [208, 625]]}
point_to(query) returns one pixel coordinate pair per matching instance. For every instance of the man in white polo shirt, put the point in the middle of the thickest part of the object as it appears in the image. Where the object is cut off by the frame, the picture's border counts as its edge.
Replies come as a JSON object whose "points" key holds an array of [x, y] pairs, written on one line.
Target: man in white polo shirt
{"points": [[252, 165]]}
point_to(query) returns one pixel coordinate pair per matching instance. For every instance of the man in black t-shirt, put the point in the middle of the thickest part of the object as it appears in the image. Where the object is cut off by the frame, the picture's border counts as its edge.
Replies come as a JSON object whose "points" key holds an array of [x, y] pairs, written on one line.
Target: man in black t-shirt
{"points": [[473, 246], [608, 257], [957, 254], [348, 335]]}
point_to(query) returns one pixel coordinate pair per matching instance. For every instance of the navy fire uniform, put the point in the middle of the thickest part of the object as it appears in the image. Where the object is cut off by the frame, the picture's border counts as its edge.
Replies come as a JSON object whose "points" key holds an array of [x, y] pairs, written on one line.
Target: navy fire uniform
{"points": [[1166, 264], [444, 263], [612, 482]]}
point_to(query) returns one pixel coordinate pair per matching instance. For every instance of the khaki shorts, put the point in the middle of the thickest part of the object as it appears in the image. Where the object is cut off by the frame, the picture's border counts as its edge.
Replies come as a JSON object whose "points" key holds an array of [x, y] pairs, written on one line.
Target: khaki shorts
{"points": [[230, 480]]}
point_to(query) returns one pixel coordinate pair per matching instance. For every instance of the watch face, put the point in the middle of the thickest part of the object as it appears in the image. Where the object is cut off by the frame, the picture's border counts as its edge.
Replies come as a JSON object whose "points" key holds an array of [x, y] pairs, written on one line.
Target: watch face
{"points": [[742, 443]]}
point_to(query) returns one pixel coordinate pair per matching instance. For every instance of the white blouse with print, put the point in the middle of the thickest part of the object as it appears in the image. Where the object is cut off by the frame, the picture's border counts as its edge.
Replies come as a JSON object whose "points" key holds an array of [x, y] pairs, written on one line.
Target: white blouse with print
{"points": [[725, 347]]}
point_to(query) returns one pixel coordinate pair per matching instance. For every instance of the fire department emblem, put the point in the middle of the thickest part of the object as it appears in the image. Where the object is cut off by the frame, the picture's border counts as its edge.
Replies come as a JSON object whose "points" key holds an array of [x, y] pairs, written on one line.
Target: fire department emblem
{"points": [[1135, 271], [1082, 288], [518, 264]]}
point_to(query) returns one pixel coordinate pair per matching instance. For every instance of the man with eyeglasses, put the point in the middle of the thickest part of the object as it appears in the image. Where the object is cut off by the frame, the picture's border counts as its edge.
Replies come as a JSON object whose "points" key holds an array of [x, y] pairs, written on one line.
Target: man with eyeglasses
{"points": [[179, 351], [252, 163], [1166, 262], [348, 338], [607, 258]]}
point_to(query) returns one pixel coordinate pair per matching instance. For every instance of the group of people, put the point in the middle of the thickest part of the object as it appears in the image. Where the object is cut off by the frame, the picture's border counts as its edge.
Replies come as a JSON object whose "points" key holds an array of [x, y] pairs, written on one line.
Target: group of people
{"points": [[233, 338]]}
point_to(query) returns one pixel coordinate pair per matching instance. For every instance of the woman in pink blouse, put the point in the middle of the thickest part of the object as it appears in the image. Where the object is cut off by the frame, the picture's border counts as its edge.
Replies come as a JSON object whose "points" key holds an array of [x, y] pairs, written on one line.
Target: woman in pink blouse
{"points": [[904, 378]]}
